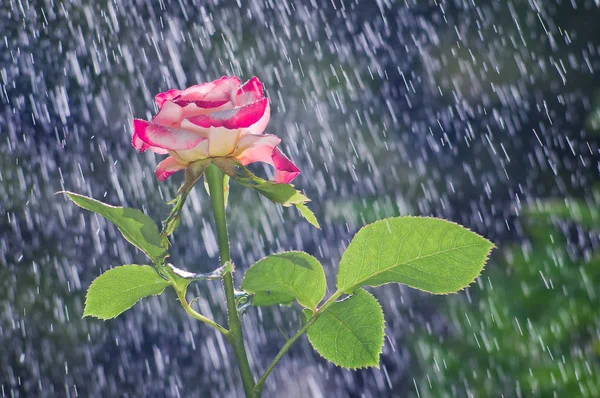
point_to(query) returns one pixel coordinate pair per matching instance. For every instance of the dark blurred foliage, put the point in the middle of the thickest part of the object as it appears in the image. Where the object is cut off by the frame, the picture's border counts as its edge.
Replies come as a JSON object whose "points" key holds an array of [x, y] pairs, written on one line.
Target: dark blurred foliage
{"points": [[532, 327]]}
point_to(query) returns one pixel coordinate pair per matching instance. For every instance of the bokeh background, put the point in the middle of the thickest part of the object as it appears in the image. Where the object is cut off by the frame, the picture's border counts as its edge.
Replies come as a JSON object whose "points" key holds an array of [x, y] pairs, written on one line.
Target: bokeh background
{"points": [[486, 113]]}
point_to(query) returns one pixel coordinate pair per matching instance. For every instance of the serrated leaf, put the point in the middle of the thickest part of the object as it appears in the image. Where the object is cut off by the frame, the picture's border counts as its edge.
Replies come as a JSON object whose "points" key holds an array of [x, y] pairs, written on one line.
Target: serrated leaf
{"points": [[119, 288], [283, 194], [308, 215], [136, 227], [349, 333], [429, 254], [284, 277]]}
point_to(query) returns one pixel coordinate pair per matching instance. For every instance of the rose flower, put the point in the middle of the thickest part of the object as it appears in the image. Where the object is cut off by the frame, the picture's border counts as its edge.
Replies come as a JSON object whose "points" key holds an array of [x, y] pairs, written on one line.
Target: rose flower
{"points": [[223, 118]]}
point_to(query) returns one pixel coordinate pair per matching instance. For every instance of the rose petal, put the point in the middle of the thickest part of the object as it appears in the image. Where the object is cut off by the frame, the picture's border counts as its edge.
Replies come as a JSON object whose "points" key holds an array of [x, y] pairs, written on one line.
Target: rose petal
{"points": [[143, 147], [222, 89], [191, 109], [198, 152], [260, 126], [222, 141], [249, 92], [161, 98], [170, 114], [236, 118], [203, 104], [167, 167], [285, 170], [263, 148], [165, 137], [256, 148]]}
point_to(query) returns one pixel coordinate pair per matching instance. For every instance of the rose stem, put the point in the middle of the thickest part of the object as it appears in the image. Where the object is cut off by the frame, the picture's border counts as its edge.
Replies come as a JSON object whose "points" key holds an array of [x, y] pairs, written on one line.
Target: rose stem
{"points": [[214, 177]]}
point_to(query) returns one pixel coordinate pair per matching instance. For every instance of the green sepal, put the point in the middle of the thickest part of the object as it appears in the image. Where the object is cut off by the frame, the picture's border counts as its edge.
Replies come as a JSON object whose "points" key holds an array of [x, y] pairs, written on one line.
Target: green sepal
{"points": [[192, 174], [308, 215], [280, 193]]}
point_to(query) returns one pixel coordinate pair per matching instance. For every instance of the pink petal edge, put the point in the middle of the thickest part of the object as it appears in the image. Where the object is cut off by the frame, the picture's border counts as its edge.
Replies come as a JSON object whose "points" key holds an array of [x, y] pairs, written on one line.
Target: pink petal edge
{"points": [[249, 92], [167, 167], [236, 118], [165, 137], [170, 114], [222, 89], [169, 95], [142, 147], [285, 170], [256, 148]]}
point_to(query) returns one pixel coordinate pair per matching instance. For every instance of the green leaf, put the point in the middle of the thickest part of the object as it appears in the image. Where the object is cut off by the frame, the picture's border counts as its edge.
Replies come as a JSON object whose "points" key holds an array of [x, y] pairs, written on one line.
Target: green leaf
{"points": [[118, 289], [136, 227], [283, 194], [281, 278], [429, 254], [349, 333], [308, 215]]}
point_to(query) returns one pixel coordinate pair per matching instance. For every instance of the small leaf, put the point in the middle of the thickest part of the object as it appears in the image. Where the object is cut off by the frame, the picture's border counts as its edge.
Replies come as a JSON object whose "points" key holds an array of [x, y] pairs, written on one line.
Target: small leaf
{"points": [[136, 227], [283, 194], [119, 288], [281, 278], [429, 254], [350, 332], [308, 215]]}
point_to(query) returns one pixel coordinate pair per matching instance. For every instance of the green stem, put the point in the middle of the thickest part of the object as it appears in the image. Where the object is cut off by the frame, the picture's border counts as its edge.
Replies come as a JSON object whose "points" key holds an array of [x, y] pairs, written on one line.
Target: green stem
{"points": [[260, 383], [214, 177], [196, 315]]}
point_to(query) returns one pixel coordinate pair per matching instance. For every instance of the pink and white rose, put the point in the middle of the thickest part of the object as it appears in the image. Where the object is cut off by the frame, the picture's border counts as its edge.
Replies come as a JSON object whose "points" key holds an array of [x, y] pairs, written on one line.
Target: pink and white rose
{"points": [[223, 118]]}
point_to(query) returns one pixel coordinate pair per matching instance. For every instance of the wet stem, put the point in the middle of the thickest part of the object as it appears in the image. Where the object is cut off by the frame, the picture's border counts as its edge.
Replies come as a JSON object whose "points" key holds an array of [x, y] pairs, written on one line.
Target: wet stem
{"points": [[214, 177], [260, 383]]}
